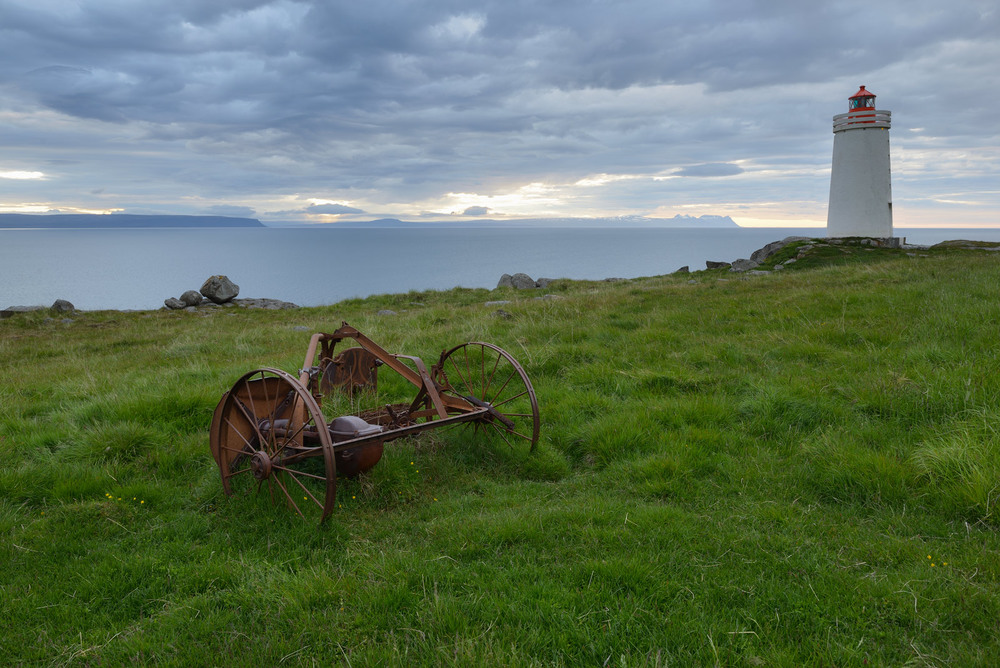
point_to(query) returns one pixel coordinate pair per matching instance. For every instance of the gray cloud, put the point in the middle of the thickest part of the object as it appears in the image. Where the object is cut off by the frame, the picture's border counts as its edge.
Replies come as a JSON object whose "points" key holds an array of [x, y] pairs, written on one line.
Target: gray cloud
{"points": [[394, 106], [710, 169], [476, 211], [331, 208], [231, 210]]}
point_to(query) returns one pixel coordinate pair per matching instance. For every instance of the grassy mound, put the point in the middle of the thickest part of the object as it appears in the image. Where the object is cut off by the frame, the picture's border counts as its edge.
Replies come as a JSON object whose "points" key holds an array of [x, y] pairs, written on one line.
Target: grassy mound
{"points": [[790, 469]]}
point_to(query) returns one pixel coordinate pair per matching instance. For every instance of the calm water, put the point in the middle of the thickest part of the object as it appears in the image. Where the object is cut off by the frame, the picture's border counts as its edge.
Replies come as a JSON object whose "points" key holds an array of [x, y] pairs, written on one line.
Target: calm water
{"points": [[138, 269]]}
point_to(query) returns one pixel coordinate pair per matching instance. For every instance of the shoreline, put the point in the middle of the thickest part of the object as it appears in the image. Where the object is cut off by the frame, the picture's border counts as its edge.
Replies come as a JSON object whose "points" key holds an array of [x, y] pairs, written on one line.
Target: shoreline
{"points": [[747, 266]]}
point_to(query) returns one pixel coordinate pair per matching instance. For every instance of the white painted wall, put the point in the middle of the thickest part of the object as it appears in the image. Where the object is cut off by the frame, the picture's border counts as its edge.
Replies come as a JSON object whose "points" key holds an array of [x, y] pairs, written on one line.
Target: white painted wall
{"points": [[860, 188]]}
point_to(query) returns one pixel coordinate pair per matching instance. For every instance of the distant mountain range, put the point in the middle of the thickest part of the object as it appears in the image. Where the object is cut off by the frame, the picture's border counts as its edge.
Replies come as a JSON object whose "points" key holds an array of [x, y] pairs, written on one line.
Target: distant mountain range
{"points": [[618, 221], [127, 221], [118, 221]]}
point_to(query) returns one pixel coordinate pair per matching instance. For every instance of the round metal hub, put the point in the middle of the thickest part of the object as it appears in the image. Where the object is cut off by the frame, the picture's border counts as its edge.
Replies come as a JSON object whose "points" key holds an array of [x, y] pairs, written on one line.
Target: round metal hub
{"points": [[260, 465]]}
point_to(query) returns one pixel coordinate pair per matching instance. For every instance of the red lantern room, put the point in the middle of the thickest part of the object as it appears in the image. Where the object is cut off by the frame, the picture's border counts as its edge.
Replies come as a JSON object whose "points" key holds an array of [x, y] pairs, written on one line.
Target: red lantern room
{"points": [[863, 100]]}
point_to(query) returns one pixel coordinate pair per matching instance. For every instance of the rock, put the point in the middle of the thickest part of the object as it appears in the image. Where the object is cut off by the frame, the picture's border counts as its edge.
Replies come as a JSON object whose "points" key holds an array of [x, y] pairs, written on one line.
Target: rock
{"points": [[500, 313], [62, 306], [220, 289], [770, 249], [267, 304], [11, 310], [498, 302], [709, 264], [758, 272], [519, 281], [548, 297], [173, 303], [779, 267], [743, 265], [300, 328], [387, 311], [683, 270], [522, 281], [191, 298], [544, 282], [614, 280]]}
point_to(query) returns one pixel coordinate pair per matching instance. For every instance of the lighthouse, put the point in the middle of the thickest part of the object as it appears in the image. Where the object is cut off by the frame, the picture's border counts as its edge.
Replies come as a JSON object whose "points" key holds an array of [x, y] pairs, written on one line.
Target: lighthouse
{"points": [[860, 192]]}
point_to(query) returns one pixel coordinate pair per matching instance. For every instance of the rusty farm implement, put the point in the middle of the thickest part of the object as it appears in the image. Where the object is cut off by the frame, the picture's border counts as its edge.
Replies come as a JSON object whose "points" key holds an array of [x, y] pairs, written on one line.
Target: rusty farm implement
{"points": [[269, 428]]}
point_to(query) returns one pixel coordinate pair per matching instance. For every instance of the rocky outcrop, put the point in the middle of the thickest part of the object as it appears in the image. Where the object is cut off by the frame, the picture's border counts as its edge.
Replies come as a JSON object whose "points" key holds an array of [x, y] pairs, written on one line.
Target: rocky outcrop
{"points": [[219, 289], [711, 264], [761, 254]]}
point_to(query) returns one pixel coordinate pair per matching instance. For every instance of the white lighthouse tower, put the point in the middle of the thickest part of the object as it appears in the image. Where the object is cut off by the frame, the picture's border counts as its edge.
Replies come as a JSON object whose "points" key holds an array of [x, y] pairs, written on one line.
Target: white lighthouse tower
{"points": [[860, 191]]}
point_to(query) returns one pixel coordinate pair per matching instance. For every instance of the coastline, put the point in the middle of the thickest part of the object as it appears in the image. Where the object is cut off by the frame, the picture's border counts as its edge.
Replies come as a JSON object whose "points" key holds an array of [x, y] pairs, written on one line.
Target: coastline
{"points": [[749, 266]]}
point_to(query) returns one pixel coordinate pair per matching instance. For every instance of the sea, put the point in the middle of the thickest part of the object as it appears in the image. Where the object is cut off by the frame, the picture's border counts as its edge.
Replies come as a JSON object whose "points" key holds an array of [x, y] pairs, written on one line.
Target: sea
{"points": [[136, 269]]}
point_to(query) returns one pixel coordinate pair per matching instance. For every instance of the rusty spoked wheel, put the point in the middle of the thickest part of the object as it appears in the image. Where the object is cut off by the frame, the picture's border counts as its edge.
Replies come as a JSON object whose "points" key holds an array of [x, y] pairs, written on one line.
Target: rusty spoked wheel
{"points": [[487, 376], [268, 431]]}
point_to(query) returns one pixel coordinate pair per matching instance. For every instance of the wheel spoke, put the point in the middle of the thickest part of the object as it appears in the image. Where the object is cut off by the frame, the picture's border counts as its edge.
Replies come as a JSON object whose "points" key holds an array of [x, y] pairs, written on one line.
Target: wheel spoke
{"points": [[253, 407], [517, 433], [304, 488], [504, 386], [240, 434], [501, 432], [301, 473], [506, 401], [486, 387], [466, 384], [482, 371], [281, 486], [289, 438], [252, 419]]}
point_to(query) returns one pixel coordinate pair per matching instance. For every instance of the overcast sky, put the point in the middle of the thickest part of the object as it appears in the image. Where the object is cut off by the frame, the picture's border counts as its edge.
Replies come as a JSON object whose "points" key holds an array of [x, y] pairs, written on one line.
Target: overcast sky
{"points": [[319, 111]]}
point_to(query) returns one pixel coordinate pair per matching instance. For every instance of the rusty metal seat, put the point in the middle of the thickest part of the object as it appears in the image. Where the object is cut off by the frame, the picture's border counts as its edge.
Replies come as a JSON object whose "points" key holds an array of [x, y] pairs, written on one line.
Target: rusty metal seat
{"points": [[351, 370]]}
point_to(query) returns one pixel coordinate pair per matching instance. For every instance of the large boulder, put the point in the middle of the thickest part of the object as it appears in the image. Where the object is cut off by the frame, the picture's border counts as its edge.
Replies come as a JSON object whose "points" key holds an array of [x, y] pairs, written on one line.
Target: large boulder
{"points": [[191, 298], [173, 303], [522, 281], [62, 306], [744, 265], [519, 281], [219, 289]]}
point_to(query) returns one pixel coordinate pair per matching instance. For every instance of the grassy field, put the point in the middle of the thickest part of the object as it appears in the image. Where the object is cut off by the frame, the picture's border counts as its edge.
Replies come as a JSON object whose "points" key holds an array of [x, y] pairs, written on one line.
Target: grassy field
{"points": [[795, 469]]}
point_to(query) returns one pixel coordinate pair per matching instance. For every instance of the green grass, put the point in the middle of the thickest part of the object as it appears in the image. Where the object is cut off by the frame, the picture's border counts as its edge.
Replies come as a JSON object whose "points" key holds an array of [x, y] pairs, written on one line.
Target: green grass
{"points": [[794, 469]]}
